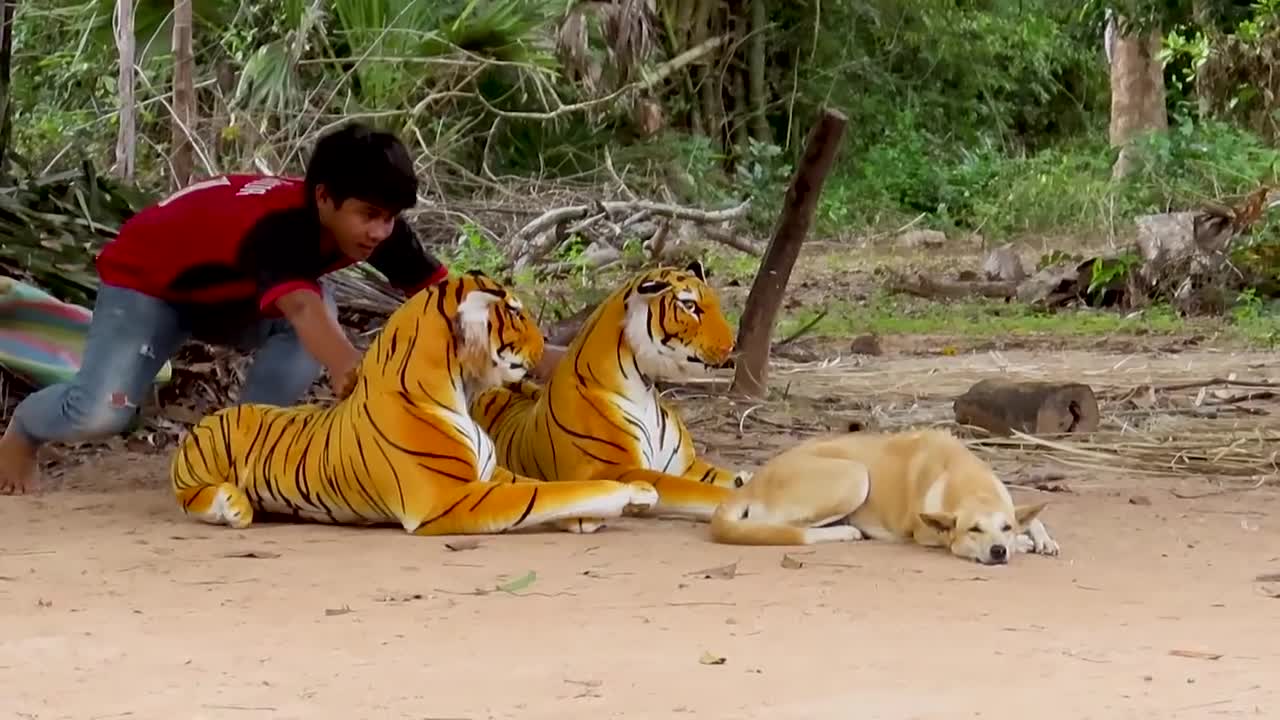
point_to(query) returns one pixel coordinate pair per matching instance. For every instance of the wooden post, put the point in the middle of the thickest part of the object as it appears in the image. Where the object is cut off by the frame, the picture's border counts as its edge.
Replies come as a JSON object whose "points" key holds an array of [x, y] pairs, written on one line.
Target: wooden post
{"points": [[755, 331]]}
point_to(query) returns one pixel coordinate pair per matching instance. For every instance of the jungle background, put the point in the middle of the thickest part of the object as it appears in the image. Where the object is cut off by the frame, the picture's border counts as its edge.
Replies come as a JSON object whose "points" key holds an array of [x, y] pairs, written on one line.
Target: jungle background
{"points": [[664, 130], [1067, 192]]}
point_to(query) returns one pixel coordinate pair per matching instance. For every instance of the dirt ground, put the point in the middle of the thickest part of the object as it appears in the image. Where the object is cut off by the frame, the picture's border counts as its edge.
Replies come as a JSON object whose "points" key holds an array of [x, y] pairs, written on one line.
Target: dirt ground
{"points": [[1159, 606]]}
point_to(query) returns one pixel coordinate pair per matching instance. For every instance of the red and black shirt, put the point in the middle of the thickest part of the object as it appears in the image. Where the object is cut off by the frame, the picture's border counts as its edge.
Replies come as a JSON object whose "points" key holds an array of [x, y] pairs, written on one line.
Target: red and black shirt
{"points": [[228, 247]]}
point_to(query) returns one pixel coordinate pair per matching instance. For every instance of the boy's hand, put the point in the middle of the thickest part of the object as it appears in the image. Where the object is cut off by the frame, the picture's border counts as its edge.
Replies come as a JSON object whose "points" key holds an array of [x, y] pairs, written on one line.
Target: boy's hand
{"points": [[345, 384]]}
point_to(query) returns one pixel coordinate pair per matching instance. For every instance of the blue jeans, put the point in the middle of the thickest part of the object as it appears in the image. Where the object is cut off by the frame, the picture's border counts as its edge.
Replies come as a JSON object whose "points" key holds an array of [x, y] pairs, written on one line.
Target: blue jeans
{"points": [[130, 338]]}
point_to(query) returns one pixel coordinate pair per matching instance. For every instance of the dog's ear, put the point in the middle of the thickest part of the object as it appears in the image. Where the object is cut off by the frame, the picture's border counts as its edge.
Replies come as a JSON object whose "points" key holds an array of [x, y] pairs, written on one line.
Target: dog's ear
{"points": [[943, 522], [1026, 513]]}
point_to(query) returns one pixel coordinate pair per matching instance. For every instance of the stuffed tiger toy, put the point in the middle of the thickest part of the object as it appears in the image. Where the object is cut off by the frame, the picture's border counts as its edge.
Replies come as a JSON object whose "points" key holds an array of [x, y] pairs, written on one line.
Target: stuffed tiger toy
{"points": [[401, 448], [600, 416]]}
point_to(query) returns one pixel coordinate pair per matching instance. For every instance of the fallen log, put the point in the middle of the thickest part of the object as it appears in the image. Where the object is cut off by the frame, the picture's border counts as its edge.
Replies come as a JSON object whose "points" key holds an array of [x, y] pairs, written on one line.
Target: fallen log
{"points": [[1036, 408]]}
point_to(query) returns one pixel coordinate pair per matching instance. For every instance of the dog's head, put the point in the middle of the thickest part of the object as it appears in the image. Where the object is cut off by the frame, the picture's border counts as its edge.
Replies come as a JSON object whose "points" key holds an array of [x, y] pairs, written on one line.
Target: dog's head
{"points": [[986, 535]]}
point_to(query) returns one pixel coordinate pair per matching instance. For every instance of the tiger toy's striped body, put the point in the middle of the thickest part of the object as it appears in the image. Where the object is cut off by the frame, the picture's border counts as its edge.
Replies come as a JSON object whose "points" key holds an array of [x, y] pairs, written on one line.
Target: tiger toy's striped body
{"points": [[401, 448], [600, 417]]}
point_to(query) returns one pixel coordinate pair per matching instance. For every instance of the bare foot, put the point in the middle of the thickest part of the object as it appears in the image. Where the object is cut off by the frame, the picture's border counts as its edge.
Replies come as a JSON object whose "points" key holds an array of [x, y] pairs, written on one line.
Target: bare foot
{"points": [[17, 464]]}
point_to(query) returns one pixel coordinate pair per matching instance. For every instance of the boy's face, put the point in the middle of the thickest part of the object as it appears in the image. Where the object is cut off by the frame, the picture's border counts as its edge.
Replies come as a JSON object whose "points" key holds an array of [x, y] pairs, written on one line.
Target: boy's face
{"points": [[357, 226]]}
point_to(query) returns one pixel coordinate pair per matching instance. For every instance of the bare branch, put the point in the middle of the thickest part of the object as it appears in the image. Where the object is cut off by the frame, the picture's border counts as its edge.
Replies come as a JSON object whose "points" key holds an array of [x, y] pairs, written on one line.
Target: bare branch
{"points": [[664, 70], [529, 251]]}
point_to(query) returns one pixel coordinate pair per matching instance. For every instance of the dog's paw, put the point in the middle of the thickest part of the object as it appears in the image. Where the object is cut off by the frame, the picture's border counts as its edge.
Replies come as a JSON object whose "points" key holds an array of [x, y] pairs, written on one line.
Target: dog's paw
{"points": [[1044, 546], [1038, 535], [742, 477], [1023, 544], [833, 533]]}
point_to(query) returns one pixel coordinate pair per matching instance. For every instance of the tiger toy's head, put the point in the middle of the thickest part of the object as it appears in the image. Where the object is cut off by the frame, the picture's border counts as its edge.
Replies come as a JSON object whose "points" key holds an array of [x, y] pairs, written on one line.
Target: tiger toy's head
{"points": [[674, 324], [498, 341], [470, 326]]}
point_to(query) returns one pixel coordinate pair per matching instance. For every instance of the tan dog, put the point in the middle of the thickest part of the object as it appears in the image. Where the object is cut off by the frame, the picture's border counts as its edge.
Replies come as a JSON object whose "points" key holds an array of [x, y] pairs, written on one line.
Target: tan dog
{"points": [[923, 486]]}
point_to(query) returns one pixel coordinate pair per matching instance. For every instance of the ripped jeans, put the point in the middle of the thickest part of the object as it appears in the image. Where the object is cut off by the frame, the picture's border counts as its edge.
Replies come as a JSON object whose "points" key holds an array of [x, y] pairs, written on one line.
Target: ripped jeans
{"points": [[130, 338]]}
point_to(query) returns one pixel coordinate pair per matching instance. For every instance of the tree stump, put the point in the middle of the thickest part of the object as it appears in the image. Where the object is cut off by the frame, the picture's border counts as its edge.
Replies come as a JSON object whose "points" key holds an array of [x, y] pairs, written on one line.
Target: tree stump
{"points": [[1034, 408], [1004, 264]]}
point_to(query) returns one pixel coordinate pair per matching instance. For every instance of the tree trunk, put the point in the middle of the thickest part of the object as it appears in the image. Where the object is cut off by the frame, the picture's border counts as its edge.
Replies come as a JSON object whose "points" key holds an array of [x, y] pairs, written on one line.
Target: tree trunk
{"points": [[221, 146], [704, 77], [758, 316], [755, 66], [184, 95], [1137, 92], [683, 40], [127, 134], [6, 74], [739, 116]]}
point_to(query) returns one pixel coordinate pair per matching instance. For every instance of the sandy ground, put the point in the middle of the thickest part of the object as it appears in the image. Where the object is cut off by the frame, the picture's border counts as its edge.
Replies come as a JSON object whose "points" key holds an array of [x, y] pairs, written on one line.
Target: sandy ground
{"points": [[117, 607]]}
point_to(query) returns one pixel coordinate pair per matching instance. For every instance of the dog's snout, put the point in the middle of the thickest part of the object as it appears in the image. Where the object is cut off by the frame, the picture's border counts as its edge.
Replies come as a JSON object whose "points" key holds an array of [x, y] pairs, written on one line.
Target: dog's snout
{"points": [[999, 553]]}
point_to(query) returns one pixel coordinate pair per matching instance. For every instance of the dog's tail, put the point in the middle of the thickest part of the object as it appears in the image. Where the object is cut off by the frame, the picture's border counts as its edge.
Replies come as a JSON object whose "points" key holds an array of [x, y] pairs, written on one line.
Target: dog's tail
{"points": [[730, 526]]}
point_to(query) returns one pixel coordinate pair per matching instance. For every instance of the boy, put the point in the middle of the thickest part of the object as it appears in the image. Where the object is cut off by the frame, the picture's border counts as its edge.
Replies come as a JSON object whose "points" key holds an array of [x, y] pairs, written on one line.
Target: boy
{"points": [[233, 260]]}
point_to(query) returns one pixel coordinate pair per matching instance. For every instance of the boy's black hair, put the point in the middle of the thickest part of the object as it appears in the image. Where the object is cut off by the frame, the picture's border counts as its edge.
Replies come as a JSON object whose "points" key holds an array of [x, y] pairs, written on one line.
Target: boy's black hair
{"points": [[359, 162]]}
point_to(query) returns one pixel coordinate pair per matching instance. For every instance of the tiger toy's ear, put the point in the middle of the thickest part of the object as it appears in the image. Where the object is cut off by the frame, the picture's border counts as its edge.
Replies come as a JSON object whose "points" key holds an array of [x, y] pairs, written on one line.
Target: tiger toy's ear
{"points": [[698, 270], [652, 287], [472, 324], [476, 272]]}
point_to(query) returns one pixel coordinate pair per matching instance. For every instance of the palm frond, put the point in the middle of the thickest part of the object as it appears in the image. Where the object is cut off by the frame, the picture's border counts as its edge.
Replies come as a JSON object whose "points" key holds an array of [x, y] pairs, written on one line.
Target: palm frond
{"points": [[604, 45]]}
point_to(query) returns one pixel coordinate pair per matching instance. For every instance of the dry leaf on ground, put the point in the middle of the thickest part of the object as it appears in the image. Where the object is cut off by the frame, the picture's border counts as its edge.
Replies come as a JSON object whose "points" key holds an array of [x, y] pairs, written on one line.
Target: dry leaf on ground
{"points": [[1196, 654], [709, 659], [253, 554], [724, 572]]}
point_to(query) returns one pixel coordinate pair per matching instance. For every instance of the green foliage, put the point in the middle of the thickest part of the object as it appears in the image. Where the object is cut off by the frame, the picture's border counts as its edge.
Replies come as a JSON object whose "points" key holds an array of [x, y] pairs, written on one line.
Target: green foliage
{"points": [[981, 115], [1110, 272], [1062, 188]]}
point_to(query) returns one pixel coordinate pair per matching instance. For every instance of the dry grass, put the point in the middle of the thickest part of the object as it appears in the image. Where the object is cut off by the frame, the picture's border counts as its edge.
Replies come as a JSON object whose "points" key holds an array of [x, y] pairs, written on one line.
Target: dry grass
{"points": [[1205, 415]]}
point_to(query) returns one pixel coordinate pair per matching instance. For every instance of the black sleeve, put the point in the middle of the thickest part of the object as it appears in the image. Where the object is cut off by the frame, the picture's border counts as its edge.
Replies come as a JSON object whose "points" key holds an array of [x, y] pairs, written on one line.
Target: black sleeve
{"points": [[282, 254], [407, 265]]}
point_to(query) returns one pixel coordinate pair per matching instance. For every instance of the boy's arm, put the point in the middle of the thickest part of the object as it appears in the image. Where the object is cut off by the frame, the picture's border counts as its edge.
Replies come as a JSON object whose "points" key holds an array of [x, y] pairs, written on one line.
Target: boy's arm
{"points": [[405, 263], [277, 253], [321, 335]]}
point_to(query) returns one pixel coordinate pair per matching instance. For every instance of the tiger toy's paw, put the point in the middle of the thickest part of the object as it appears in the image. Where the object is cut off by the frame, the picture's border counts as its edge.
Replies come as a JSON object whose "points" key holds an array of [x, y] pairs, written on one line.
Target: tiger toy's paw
{"points": [[231, 507], [581, 526], [643, 497], [742, 477]]}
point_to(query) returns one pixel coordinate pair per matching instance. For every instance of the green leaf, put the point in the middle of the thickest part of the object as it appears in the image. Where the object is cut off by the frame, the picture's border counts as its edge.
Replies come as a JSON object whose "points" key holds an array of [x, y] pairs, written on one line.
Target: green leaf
{"points": [[519, 583]]}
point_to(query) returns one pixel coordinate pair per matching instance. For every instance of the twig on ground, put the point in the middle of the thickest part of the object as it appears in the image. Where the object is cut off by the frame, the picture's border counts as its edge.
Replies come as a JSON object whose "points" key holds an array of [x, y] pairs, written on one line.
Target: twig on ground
{"points": [[1217, 381], [1222, 491], [803, 329]]}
